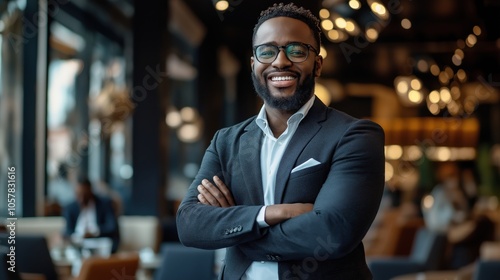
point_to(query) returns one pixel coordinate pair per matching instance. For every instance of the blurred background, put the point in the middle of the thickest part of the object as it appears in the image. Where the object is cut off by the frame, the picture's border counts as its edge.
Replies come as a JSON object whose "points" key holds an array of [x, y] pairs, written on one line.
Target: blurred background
{"points": [[129, 93]]}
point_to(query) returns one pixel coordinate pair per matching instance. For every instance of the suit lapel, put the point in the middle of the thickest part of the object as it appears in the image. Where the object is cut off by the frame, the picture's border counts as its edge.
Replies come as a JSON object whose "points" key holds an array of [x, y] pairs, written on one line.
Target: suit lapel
{"points": [[308, 127], [249, 158]]}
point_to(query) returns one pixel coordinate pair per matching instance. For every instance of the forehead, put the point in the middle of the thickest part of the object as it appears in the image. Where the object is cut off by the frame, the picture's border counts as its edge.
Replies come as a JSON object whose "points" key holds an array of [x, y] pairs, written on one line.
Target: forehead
{"points": [[282, 30]]}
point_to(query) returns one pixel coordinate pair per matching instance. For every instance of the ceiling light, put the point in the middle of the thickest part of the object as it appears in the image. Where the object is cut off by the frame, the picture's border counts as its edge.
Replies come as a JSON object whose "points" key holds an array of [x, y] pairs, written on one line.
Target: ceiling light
{"points": [[422, 66], [434, 97], [460, 53], [461, 75], [435, 70], [188, 114], [354, 4], [471, 40], [371, 34], [445, 95], [349, 26], [327, 24], [433, 108], [221, 5], [415, 96], [324, 13], [406, 23], [477, 30], [402, 87], [323, 52], [455, 92], [416, 84], [334, 35], [393, 151], [457, 61], [173, 119], [355, 18], [340, 22]]}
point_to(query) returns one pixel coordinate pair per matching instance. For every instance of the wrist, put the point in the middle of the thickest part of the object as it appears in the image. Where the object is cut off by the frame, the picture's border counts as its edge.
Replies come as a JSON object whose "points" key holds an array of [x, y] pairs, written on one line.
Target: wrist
{"points": [[275, 214]]}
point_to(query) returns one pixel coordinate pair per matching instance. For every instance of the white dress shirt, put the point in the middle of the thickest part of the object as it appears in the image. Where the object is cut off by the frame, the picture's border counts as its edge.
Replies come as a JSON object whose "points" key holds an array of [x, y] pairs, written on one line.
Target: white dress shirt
{"points": [[86, 221], [270, 157]]}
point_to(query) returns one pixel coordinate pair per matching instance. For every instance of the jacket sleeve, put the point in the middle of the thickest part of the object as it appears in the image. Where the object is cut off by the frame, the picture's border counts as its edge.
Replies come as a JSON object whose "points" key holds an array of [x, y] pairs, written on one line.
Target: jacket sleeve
{"points": [[344, 208], [70, 219], [210, 227], [108, 221]]}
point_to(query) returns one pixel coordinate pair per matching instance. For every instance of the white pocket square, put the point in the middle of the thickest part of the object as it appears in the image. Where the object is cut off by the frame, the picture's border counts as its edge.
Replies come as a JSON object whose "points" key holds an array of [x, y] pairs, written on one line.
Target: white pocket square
{"points": [[309, 163]]}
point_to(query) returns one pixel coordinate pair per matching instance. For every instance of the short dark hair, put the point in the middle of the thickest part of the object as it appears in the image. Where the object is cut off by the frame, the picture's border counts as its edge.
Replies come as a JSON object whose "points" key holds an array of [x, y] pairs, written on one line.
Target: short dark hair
{"points": [[84, 181], [292, 11]]}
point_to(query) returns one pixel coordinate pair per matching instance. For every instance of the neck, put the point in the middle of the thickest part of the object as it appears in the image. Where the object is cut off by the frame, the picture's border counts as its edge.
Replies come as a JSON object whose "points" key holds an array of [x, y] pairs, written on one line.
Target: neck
{"points": [[277, 120]]}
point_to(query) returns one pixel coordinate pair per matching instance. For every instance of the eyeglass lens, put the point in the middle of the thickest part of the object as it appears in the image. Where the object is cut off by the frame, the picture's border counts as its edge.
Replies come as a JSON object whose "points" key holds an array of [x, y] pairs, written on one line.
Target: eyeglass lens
{"points": [[295, 52]]}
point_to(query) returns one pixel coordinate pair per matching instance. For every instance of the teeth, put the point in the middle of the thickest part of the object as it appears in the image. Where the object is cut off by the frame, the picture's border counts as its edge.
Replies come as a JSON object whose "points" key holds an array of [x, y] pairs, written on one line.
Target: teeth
{"points": [[286, 78]]}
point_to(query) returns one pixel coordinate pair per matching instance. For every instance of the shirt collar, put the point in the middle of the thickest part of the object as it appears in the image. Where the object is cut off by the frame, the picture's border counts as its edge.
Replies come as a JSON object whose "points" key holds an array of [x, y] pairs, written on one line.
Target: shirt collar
{"points": [[261, 119]]}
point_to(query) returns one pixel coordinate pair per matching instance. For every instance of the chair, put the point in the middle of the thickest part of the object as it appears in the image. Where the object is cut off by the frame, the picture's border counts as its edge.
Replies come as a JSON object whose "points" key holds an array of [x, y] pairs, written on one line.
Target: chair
{"points": [[487, 270], [488, 265], [427, 253], [185, 263], [32, 255], [118, 266]]}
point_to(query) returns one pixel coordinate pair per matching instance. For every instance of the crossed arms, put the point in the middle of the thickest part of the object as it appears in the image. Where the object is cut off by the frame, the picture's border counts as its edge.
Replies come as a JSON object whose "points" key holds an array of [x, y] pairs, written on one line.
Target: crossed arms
{"points": [[218, 195], [340, 216]]}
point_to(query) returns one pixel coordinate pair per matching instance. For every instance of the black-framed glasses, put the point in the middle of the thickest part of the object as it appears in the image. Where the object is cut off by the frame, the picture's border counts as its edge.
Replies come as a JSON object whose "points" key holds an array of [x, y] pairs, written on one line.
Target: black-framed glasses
{"points": [[295, 52]]}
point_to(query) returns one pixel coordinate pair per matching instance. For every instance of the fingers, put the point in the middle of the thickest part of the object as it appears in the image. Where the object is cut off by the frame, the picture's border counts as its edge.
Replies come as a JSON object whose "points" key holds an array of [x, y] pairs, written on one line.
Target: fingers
{"points": [[206, 197], [225, 191], [212, 194]]}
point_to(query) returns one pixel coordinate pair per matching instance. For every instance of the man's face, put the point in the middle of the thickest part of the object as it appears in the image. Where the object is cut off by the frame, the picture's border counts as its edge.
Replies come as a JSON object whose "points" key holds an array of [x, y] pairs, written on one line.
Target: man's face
{"points": [[283, 84], [83, 194]]}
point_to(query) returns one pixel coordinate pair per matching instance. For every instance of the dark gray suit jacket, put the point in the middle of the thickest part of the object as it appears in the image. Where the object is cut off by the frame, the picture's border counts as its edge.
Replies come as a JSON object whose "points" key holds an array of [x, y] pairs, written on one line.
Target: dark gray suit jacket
{"points": [[345, 188]]}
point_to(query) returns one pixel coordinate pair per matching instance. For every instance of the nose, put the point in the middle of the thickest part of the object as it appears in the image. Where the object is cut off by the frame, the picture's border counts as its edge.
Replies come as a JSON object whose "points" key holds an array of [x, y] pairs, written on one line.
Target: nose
{"points": [[281, 60]]}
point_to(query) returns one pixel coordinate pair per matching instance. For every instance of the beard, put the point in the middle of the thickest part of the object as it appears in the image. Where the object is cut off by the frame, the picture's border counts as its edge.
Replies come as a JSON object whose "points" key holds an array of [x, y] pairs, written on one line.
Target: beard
{"points": [[302, 94]]}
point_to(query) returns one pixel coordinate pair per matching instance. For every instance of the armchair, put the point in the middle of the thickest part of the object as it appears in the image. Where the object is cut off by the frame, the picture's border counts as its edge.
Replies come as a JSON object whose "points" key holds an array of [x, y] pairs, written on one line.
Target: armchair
{"points": [[426, 254]]}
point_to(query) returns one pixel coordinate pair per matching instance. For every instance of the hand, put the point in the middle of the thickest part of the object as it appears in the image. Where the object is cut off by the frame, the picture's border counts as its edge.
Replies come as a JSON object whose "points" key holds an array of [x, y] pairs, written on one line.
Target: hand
{"points": [[278, 213], [89, 235], [218, 195]]}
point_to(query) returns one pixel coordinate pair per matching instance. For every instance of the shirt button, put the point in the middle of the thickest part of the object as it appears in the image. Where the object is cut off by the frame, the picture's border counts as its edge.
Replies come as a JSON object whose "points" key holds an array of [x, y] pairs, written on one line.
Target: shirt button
{"points": [[262, 262]]}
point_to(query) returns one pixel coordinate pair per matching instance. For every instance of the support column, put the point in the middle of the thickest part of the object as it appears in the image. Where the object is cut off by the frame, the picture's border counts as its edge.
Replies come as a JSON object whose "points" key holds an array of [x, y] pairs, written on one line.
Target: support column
{"points": [[149, 93]]}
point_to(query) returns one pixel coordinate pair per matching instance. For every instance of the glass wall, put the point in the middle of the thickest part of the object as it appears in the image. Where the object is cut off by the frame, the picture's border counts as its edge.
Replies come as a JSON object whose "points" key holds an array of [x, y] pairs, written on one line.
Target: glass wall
{"points": [[87, 109], [11, 96]]}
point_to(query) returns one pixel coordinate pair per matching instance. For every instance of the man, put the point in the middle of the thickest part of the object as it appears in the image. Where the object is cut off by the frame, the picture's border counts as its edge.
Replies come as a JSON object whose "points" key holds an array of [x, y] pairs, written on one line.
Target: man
{"points": [[91, 216], [295, 188]]}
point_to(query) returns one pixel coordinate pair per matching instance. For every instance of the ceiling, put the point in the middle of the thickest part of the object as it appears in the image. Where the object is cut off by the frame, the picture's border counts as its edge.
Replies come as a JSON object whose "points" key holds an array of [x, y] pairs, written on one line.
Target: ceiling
{"points": [[437, 25]]}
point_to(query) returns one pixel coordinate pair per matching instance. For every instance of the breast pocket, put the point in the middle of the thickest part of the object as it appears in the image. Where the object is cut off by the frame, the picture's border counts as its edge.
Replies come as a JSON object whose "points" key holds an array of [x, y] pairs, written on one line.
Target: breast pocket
{"points": [[304, 185]]}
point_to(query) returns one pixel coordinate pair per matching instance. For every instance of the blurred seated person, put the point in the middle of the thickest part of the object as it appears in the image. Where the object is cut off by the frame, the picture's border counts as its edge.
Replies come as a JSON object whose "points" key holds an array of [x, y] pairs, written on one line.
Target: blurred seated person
{"points": [[475, 227], [454, 213], [91, 216]]}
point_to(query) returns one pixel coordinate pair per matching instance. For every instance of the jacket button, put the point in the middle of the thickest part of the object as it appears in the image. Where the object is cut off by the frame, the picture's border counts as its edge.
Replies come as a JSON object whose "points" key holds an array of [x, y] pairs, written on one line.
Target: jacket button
{"points": [[269, 258]]}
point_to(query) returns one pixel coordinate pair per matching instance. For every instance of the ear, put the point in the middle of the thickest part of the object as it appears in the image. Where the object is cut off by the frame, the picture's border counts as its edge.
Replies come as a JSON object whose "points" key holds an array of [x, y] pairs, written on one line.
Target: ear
{"points": [[319, 65], [252, 62]]}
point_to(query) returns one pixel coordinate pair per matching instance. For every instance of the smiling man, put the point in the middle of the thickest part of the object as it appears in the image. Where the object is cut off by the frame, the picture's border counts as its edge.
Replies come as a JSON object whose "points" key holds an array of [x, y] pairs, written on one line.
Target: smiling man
{"points": [[292, 191]]}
